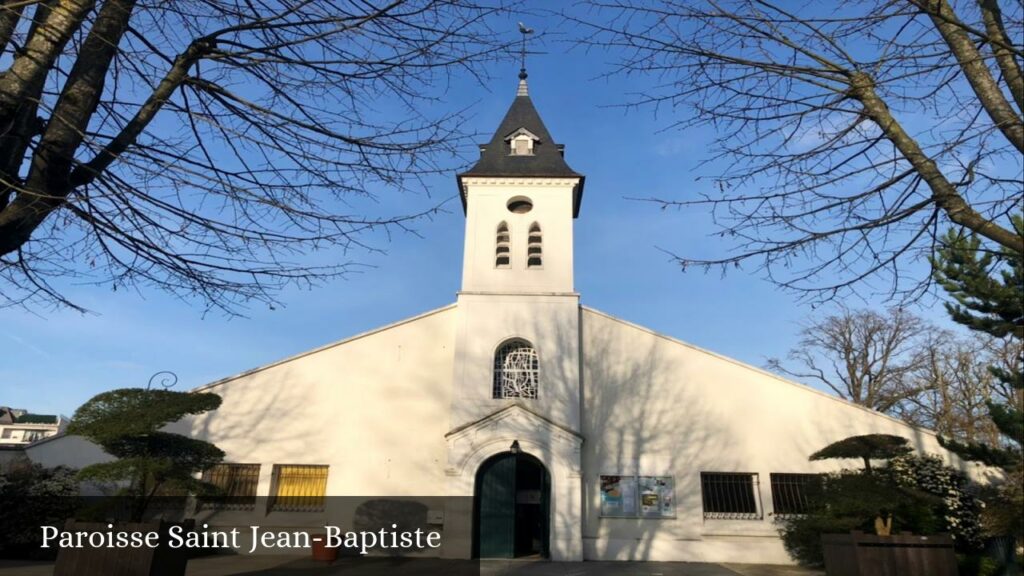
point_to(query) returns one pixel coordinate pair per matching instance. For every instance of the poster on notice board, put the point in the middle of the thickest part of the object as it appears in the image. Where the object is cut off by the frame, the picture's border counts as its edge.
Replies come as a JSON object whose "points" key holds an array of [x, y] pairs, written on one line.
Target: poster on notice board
{"points": [[656, 497]]}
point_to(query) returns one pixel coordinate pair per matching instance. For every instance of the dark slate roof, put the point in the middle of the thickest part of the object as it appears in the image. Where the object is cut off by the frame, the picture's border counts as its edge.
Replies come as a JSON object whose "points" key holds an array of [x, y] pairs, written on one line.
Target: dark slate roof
{"points": [[547, 160], [36, 419]]}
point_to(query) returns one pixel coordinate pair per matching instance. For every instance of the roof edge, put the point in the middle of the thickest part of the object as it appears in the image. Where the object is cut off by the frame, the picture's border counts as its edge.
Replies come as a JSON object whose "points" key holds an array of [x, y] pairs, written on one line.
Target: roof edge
{"points": [[577, 196], [761, 371]]}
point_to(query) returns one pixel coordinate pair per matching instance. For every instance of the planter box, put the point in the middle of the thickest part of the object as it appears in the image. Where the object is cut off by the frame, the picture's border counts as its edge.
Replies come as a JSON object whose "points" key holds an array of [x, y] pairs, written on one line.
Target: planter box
{"points": [[160, 561], [859, 554]]}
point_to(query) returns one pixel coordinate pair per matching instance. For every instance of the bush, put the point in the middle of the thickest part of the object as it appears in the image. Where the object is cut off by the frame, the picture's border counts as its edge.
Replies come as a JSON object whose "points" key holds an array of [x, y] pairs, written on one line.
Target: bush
{"points": [[851, 500], [960, 510], [924, 496], [978, 565], [30, 497]]}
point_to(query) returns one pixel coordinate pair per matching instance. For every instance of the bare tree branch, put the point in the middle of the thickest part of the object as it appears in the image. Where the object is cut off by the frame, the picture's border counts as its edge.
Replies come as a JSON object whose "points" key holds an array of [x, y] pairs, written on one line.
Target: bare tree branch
{"points": [[847, 136], [211, 147]]}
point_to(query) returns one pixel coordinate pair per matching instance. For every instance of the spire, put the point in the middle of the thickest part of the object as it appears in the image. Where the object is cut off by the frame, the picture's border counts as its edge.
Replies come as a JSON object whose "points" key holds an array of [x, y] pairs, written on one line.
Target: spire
{"points": [[522, 145], [545, 158]]}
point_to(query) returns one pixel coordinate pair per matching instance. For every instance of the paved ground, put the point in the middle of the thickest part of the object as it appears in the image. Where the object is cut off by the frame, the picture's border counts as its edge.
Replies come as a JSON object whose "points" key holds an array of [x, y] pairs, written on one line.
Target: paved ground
{"points": [[289, 566]]}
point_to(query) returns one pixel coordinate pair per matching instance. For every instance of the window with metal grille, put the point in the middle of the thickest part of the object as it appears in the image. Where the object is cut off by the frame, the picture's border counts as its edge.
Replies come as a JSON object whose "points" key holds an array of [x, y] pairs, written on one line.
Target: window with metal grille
{"points": [[299, 488], [515, 370], [502, 249], [237, 485], [789, 492], [534, 258], [731, 495]]}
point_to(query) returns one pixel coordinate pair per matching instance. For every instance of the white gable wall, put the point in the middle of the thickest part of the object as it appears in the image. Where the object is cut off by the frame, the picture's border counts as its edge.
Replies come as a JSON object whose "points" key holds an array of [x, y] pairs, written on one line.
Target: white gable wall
{"points": [[373, 407], [377, 408]]}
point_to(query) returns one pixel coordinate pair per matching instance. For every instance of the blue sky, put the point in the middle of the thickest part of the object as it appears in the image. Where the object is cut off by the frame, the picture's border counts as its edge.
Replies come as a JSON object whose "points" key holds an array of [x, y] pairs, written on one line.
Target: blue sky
{"points": [[51, 362]]}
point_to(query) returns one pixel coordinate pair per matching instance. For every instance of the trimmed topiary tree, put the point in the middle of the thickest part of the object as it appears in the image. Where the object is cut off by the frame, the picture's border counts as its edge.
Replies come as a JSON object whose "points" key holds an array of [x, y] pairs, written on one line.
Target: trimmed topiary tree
{"points": [[923, 495], [868, 447], [127, 424]]}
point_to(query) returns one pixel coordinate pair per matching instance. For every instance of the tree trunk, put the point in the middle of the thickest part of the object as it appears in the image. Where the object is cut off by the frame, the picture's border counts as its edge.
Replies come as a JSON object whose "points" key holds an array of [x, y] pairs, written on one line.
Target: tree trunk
{"points": [[55, 22], [977, 73], [1008, 65], [48, 182]]}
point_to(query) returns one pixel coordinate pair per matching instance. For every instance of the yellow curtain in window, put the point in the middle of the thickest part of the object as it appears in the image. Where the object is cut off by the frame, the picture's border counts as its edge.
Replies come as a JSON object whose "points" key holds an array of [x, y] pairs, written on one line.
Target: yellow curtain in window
{"points": [[300, 487]]}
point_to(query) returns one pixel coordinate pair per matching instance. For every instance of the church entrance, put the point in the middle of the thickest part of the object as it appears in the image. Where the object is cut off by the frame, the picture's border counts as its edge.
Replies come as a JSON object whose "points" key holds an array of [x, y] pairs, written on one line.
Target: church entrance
{"points": [[511, 504]]}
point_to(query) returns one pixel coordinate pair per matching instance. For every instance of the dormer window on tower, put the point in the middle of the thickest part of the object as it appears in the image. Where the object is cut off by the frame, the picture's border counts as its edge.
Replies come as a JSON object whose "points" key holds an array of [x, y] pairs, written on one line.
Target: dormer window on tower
{"points": [[521, 142]]}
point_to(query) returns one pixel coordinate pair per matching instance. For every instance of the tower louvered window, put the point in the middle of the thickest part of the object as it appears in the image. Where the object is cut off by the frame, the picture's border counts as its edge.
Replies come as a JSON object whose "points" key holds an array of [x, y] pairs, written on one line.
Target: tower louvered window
{"points": [[534, 256], [516, 370], [502, 249]]}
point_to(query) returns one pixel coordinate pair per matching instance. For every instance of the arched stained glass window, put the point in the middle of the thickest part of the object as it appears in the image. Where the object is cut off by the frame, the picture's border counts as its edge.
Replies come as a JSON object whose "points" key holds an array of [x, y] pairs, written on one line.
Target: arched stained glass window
{"points": [[515, 370]]}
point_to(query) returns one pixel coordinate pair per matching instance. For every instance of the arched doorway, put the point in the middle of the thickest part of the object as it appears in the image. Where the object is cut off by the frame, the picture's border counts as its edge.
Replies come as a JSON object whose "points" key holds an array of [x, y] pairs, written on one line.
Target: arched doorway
{"points": [[511, 507]]}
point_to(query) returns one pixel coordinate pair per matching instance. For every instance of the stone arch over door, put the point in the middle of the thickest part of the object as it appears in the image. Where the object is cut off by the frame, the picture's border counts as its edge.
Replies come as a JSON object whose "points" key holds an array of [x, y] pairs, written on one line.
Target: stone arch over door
{"points": [[555, 447]]}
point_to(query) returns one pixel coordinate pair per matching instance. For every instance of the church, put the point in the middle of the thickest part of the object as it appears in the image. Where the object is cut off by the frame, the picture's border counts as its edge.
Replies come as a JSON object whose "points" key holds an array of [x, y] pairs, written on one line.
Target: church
{"points": [[564, 432]]}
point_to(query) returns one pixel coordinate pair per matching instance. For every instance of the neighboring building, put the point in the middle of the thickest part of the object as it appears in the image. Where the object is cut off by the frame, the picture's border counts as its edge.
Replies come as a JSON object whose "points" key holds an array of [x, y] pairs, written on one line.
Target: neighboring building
{"points": [[20, 428], [12, 457], [571, 433]]}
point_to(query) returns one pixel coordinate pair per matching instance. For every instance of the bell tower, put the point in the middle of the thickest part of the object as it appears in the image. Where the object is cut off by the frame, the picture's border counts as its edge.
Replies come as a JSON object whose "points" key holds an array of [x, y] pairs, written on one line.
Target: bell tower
{"points": [[520, 200], [516, 374]]}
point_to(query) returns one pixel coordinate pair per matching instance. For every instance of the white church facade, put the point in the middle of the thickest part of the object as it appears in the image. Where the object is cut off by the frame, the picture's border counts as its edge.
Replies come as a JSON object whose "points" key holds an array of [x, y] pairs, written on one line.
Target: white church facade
{"points": [[572, 434]]}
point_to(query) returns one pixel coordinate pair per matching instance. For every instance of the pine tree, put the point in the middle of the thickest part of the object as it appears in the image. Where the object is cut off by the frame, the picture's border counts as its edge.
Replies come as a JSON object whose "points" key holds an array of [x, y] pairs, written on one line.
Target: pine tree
{"points": [[987, 287]]}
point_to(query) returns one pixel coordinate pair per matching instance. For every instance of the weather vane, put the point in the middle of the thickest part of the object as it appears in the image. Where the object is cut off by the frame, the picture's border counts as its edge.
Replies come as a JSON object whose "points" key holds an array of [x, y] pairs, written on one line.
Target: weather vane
{"points": [[525, 32]]}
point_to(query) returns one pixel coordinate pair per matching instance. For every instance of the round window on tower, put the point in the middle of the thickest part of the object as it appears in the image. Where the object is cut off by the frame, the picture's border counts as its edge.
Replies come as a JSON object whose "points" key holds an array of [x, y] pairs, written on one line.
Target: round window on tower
{"points": [[520, 205]]}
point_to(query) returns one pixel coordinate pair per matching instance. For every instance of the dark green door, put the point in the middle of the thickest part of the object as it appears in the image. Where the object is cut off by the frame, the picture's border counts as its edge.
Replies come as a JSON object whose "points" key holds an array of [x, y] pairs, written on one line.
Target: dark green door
{"points": [[496, 490], [512, 500]]}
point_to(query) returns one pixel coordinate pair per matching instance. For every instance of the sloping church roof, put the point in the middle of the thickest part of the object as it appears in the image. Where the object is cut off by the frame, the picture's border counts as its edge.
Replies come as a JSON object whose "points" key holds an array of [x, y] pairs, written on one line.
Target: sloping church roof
{"points": [[547, 160]]}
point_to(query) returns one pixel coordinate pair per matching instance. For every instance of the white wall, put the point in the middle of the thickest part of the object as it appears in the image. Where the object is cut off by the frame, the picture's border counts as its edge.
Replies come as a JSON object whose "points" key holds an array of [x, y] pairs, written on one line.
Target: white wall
{"points": [[373, 407], [486, 207], [550, 323], [655, 406], [71, 451], [377, 409]]}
